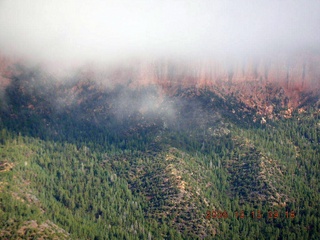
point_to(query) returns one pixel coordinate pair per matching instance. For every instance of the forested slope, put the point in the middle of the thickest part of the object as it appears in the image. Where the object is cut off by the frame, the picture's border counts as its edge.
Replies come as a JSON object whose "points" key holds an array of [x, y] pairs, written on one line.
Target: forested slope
{"points": [[76, 162]]}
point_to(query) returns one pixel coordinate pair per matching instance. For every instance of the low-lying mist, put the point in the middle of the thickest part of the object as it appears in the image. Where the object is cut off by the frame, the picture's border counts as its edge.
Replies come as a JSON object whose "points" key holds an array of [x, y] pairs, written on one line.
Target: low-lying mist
{"points": [[33, 94], [122, 58]]}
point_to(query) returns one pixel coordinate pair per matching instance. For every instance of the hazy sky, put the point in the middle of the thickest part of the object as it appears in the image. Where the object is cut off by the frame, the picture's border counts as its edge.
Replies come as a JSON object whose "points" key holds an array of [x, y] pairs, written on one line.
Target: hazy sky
{"points": [[76, 31]]}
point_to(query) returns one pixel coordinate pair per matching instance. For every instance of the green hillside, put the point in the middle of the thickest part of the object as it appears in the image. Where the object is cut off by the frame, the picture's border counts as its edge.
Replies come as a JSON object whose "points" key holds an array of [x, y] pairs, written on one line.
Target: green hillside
{"points": [[195, 167]]}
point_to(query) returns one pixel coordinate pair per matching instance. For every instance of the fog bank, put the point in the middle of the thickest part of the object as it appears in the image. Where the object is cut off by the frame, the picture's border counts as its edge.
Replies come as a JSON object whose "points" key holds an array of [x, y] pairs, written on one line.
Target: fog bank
{"points": [[80, 32]]}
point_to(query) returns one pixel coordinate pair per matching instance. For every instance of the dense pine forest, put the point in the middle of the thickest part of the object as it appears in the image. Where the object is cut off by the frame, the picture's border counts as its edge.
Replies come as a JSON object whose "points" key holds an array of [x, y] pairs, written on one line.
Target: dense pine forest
{"points": [[83, 161]]}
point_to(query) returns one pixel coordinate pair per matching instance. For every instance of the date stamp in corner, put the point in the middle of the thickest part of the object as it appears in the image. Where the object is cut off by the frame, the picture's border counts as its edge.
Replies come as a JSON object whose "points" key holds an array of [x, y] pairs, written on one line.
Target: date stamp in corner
{"points": [[254, 214]]}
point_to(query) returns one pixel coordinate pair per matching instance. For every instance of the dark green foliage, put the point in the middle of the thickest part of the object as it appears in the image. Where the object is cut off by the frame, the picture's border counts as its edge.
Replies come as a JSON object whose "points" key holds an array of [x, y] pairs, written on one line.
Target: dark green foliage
{"points": [[99, 175]]}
